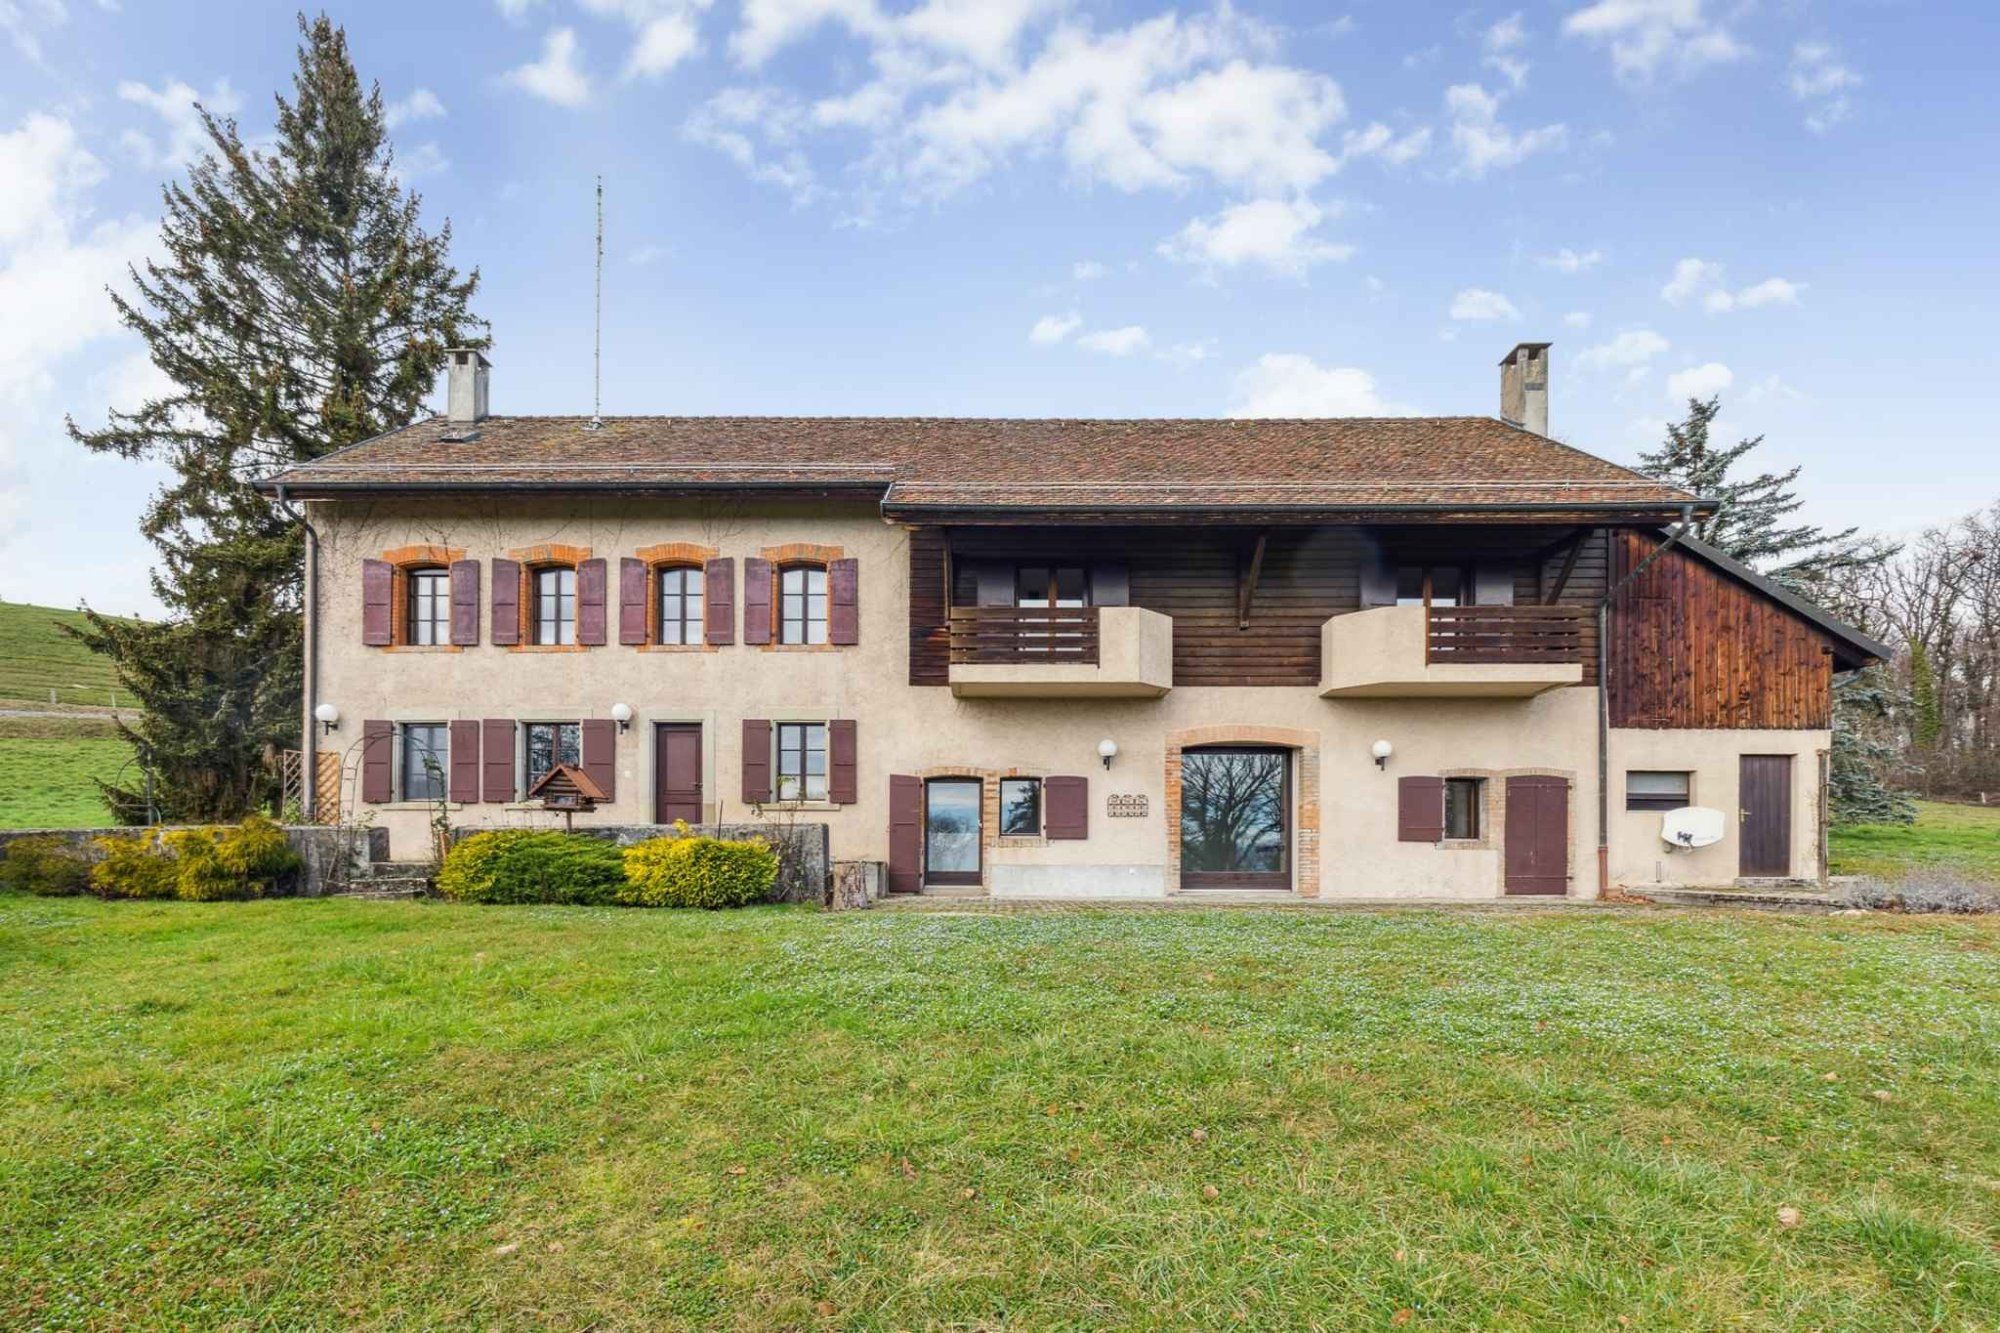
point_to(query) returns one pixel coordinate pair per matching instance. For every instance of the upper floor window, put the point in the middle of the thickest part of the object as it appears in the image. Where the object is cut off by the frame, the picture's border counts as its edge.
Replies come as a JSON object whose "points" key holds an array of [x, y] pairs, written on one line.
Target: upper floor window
{"points": [[428, 613], [552, 743], [425, 756], [680, 605], [555, 605], [1433, 585], [1039, 586], [802, 604], [801, 761]]}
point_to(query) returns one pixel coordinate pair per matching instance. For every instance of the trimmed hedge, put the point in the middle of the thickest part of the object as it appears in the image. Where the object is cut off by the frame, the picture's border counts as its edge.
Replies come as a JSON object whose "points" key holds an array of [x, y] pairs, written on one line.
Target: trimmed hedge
{"points": [[524, 866], [208, 864], [132, 867], [698, 872], [45, 866]]}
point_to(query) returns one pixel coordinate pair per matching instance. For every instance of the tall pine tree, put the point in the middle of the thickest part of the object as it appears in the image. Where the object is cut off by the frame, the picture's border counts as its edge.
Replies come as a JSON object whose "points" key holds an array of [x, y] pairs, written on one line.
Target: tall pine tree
{"points": [[300, 307]]}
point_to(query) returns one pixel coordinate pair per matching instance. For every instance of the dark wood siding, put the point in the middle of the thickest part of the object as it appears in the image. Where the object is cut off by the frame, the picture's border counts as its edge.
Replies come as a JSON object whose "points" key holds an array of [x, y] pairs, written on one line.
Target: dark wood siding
{"points": [[1692, 647]]}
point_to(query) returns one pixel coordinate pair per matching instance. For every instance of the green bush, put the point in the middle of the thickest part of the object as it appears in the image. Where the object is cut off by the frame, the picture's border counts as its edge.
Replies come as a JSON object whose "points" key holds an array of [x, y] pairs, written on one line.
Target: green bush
{"points": [[698, 872], [220, 864], [523, 866], [258, 851], [47, 866], [132, 868]]}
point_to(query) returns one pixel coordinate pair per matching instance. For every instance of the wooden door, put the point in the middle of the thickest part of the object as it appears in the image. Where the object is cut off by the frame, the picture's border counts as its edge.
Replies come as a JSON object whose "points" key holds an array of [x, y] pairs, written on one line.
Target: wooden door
{"points": [[1764, 815], [677, 772], [1537, 835]]}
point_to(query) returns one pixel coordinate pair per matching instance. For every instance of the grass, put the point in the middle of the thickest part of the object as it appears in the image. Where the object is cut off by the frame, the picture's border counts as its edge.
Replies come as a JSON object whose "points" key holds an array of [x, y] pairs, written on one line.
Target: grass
{"points": [[403, 1114], [36, 657], [1964, 838], [45, 781]]}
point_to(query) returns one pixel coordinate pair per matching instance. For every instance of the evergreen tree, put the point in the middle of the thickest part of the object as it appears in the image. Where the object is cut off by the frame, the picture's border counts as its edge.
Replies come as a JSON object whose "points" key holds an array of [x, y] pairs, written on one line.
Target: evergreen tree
{"points": [[299, 307]]}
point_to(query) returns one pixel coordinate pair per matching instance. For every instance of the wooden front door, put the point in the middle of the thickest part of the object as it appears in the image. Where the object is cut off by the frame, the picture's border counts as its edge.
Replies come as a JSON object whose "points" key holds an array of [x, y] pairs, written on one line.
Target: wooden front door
{"points": [[677, 772], [1764, 815], [1537, 835]]}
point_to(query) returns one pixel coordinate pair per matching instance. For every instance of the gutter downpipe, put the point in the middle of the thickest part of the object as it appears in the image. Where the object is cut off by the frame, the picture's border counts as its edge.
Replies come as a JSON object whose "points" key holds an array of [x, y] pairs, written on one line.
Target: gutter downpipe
{"points": [[1604, 696], [308, 758]]}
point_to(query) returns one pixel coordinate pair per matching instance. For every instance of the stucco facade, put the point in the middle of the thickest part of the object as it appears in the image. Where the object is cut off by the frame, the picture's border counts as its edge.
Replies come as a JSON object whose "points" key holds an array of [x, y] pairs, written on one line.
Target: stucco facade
{"points": [[1343, 828]]}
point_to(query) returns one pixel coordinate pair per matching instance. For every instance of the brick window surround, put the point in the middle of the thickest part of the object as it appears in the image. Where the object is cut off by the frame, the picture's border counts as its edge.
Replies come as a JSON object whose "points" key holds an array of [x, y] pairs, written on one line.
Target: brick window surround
{"points": [[1304, 746], [663, 556], [545, 555], [794, 554], [402, 561]]}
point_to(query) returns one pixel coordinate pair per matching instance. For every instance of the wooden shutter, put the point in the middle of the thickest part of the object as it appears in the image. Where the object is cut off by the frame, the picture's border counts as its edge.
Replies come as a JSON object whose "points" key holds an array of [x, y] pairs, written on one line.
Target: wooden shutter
{"points": [[843, 601], [497, 763], [378, 592], [632, 583], [378, 762], [756, 760], [1419, 809], [718, 581], [592, 622], [1110, 585], [842, 785], [465, 602], [906, 834], [1065, 808], [930, 635], [756, 600], [506, 627], [600, 754], [465, 762]]}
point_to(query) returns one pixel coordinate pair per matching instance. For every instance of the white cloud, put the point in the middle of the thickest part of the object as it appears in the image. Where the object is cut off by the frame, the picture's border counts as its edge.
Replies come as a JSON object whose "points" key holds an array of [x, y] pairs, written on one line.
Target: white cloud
{"points": [[1647, 37], [1055, 328], [1703, 381], [1577, 319], [1265, 232], [1087, 270], [1691, 277], [1483, 142], [759, 130], [20, 20], [41, 164], [1186, 354], [1288, 384], [1772, 389], [1567, 260], [1630, 350], [174, 103], [1502, 44], [1379, 141], [1818, 79], [770, 25], [556, 77], [662, 43], [515, 10], [425, 159], [1116, 342], [1703, 279], [1477, 303], [421, 104]]}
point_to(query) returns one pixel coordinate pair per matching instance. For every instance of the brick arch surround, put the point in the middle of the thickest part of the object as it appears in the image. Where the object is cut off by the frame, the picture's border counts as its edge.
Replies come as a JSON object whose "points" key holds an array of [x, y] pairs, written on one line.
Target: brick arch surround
{"points": [[1305, 744]]}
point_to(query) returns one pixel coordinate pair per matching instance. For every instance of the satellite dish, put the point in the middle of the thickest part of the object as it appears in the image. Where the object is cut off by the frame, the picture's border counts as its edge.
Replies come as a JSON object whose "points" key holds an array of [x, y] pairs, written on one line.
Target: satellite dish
{"points": [[1692, 826]]}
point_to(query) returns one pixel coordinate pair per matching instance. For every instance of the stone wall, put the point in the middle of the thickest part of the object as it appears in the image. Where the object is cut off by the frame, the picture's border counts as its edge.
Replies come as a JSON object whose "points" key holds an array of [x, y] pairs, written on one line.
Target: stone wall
{"points": [[805, 861], [331, 856]]}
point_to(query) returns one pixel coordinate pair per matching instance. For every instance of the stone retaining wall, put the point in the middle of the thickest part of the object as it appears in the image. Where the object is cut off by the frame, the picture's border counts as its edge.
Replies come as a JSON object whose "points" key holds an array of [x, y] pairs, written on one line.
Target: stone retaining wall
{"points": [[331, 855]]}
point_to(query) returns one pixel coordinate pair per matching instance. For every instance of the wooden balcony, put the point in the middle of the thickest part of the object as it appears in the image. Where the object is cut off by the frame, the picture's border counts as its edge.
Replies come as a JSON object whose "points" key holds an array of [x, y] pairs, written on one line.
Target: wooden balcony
{"points": [[1468, 652], [1086, 652]]}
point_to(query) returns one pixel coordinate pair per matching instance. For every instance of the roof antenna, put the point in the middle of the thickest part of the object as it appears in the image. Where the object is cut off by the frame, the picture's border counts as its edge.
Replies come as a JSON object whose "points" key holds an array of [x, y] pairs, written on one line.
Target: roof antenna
{"points": [[597, 325]]}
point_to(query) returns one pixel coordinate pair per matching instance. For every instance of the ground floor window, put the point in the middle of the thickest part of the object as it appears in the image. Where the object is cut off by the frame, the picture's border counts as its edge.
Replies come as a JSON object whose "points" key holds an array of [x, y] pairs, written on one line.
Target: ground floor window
{"points": [[1020, 807], [951, 830], [1655, 790], [1235, 818], [425, 760], [552, 743], [801, 761], [1461, 807]]}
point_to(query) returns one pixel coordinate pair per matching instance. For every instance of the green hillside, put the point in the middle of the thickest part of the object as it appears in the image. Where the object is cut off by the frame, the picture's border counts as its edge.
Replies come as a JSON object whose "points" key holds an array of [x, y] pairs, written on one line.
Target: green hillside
{"points": [[37, 657]]}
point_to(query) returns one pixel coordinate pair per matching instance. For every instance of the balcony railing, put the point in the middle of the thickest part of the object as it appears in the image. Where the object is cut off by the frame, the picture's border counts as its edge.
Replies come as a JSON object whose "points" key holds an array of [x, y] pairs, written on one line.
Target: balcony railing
{"points": [[1017, 635], [1068, 652], [1505, 635]]}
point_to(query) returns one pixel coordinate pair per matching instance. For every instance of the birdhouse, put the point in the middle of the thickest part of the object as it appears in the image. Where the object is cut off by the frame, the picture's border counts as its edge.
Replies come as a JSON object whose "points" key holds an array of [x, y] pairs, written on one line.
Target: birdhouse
{"points": [[567, 788]]}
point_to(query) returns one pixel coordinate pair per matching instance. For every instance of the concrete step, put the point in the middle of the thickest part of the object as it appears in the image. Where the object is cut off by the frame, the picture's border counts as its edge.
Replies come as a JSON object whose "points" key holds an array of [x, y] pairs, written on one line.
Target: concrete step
{"points": [[1759, 900]]}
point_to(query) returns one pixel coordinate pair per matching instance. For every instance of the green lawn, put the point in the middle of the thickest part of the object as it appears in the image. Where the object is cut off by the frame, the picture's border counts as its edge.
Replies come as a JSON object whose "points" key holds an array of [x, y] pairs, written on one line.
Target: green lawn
{"points": [[45, 780], [36, 657], [1956, 837], [339, 1113]]}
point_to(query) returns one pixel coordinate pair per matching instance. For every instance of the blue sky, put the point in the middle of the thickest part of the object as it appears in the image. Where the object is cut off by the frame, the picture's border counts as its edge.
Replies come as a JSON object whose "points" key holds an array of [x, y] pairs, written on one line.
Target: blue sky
{"points": [[1040, 207]]}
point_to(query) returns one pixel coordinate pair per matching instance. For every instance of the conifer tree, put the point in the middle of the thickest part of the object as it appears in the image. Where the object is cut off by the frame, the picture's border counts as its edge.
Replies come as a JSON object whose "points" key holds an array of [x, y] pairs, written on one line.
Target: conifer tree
{"points": [[299, 306]]}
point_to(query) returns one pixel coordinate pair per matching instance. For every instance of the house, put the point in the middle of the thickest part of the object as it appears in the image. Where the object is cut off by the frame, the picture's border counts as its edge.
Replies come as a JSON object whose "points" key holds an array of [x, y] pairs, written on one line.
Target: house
{"points": [[1053, 658]]}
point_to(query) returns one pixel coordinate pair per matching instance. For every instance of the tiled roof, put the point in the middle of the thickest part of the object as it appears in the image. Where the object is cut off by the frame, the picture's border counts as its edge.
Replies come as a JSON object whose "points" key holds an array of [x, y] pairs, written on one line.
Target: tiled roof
{"points": [[930, 463]]}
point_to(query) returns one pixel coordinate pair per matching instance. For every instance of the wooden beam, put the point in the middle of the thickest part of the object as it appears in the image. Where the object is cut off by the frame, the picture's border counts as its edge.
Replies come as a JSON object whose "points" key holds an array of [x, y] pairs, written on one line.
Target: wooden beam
{"points": [[1248, 585], [1568, 568]]}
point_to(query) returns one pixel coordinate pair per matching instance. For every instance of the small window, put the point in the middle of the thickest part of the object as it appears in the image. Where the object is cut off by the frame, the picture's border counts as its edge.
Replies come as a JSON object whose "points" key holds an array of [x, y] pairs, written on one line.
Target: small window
{"points": [[1654, 790], [801, 761], [555, 606], [802, 604], [1020, 807], [552, 743], [680, 606], [425, 760], [1433, 585], [428, 615], [1461, 807], [1038, 586]]}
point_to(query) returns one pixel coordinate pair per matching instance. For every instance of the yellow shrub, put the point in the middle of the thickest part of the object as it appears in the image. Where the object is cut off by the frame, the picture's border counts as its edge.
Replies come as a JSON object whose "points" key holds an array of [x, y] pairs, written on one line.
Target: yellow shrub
{"points": [[698, 872]]}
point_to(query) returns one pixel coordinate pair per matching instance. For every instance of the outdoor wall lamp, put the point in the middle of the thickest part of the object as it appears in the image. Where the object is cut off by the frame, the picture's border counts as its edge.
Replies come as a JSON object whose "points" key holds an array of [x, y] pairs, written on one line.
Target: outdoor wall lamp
{"points": [[1382, 750], [1107, 750], [328, 717], [622, 715]]}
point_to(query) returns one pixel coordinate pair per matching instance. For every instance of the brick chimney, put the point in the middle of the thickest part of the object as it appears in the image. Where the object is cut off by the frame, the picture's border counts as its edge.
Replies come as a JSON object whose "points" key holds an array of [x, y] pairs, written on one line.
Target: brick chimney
{"points": [[465, 385], [1524, 387]]}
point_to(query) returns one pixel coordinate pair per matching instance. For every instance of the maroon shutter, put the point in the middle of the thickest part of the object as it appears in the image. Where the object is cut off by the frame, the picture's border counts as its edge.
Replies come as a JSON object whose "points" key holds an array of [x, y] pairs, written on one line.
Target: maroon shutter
{"points": [[465, 602], [497, 740], [465, 762], [506, 627], [378, 753], [906, 834], [756, 601], [1065, 808], [591, 619], [600, 754], [1419, 809], [842, 786], [843, 601], [756, 760], [378, 591], [632, 582], [718, 585]]}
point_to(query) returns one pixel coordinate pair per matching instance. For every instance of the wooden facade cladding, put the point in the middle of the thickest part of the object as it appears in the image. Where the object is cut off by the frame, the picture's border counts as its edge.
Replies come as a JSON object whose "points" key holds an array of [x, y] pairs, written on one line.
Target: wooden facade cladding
{"points": [[1692, 647]]}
